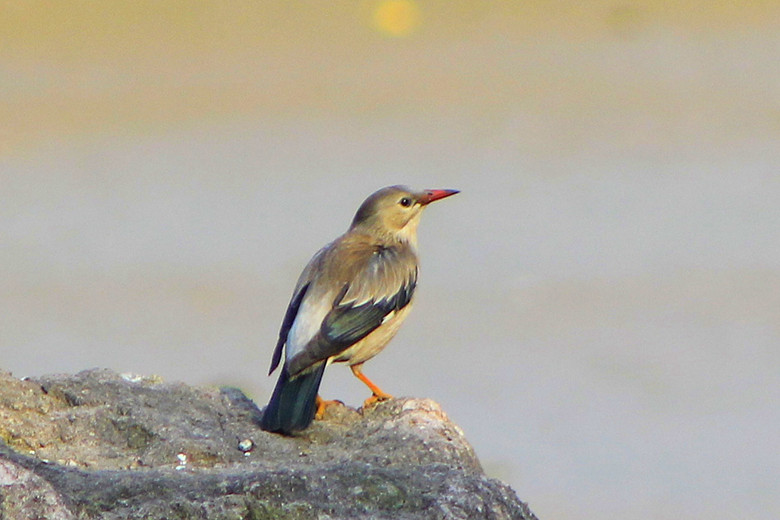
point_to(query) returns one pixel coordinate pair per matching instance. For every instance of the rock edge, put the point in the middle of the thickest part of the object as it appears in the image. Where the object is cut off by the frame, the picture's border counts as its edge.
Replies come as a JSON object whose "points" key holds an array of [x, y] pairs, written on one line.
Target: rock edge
{"points": [[98, 444]]}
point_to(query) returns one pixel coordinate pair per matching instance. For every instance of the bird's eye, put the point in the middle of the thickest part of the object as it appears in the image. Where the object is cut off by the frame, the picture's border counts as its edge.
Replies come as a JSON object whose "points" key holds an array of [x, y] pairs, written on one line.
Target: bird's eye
{"points": [[405, 202]]}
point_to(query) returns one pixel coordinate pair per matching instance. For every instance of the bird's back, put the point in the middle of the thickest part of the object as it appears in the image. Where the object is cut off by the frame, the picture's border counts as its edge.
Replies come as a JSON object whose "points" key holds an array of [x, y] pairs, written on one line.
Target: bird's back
{"points": [[356, 282]]}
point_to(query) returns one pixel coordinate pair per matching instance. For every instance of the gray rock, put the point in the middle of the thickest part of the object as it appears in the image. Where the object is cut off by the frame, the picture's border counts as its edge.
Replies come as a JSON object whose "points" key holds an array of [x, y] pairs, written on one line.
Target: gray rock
{"points": [[102, 445]]}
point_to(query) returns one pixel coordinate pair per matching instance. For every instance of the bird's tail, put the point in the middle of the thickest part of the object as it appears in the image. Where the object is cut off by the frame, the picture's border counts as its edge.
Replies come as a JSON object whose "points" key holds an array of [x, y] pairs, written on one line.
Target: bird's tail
{"points": [[293, 403]]}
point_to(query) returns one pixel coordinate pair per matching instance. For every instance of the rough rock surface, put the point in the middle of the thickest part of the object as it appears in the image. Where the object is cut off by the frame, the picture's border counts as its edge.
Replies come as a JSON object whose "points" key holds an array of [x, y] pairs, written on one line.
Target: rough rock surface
{"points": [[101, 445]]}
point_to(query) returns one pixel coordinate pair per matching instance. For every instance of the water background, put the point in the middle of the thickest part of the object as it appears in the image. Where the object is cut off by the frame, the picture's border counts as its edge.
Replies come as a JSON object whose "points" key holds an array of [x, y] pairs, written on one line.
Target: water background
{"points": [[599, 308]]}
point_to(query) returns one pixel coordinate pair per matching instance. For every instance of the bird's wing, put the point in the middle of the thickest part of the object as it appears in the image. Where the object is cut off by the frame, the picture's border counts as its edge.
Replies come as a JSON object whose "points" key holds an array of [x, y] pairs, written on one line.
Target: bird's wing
{"points": [[289, 318], [349, 322], [381, 282], [299, 294]]}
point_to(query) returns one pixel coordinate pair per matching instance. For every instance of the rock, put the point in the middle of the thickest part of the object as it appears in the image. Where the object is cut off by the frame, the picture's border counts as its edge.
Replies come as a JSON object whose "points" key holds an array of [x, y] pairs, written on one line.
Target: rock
{"points": [[103, 445]]}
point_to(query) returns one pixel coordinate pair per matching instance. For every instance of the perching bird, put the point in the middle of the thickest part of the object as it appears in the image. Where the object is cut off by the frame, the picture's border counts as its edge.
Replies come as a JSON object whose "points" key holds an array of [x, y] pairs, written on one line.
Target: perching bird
{"points": [[348, 304]]}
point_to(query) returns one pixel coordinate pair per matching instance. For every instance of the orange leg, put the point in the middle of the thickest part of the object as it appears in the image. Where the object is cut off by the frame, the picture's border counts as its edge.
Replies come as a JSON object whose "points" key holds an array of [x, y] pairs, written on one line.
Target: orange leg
{"points": [[378, 394], [322, 404]]}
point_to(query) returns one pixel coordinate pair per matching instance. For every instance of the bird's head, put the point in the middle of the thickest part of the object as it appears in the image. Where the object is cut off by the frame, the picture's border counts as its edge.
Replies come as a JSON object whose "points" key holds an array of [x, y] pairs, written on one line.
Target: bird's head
{"points": [[393, 213]]}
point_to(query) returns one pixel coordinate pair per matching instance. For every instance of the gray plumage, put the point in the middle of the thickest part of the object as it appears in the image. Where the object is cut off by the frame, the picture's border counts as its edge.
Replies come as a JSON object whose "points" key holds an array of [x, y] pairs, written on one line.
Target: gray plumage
{"points": [[348, 303]]}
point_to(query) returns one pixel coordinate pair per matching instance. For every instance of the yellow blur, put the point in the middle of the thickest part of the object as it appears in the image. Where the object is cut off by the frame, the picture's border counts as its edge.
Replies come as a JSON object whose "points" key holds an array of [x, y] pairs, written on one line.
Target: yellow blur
{"points": [[396, 17]]}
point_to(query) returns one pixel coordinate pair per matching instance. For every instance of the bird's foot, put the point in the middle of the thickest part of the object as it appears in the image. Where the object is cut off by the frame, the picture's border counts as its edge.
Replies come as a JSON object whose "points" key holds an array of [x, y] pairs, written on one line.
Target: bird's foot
{"points": [[375, 398], [322, 404]]}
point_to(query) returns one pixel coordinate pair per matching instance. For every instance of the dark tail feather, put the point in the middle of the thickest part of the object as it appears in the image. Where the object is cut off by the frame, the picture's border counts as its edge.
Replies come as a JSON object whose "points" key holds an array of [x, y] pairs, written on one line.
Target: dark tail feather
{"points": [[293, 403]]}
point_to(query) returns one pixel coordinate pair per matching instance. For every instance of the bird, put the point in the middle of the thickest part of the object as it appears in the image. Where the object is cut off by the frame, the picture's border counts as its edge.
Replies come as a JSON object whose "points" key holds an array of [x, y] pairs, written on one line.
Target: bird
{"points": [[348, 303]]}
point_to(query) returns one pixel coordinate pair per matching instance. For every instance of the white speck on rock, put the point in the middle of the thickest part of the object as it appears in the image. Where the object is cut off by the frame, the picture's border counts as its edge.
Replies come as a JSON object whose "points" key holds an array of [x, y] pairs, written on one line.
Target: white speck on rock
{"points": [[246, 446], [182, 461]]}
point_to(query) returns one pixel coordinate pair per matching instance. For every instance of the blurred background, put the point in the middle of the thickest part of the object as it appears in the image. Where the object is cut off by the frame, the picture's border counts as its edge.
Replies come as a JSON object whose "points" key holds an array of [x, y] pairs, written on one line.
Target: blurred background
{"points": [[599, 308]]}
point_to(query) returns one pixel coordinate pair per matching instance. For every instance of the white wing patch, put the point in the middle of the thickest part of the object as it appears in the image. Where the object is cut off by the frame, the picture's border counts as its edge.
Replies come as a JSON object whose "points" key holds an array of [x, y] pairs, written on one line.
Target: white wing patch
{"points": [[307, 323]]}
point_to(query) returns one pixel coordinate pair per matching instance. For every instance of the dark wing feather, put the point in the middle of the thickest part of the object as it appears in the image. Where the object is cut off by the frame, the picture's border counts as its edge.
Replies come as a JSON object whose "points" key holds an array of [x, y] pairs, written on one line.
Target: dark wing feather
{"points": [[404, 295], [289, 318], [348, 324]]}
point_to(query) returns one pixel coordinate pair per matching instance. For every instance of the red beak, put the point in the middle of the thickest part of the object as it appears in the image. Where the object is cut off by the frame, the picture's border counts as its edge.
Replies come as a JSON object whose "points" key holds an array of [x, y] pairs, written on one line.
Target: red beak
{"points": [[432, 195]]}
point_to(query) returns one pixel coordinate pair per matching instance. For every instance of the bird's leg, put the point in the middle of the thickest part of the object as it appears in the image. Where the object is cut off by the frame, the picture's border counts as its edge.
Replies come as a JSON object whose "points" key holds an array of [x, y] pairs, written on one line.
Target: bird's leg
{"points": [[322, 404], [378, 394]]}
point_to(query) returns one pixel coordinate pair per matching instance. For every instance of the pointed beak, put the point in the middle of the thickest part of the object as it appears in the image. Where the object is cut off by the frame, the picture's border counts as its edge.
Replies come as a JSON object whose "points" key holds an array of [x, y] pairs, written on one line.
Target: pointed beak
{"points": [[432, 195]]}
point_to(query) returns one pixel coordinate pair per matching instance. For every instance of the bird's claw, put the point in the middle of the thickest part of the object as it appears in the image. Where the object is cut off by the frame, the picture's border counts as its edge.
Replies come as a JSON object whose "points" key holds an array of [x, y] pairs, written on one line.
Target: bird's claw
{"points": [[375, 398], [322, 405]]}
